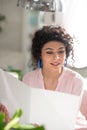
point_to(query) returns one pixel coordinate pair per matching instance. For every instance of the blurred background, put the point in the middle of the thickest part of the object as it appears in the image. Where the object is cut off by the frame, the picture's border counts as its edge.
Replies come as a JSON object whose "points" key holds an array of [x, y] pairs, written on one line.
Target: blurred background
{"points": [[17, 25]]}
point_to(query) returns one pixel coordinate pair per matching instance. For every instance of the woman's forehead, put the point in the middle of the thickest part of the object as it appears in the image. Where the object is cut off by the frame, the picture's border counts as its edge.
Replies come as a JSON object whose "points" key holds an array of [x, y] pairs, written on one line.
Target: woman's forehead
{"points": [[54, 45]]}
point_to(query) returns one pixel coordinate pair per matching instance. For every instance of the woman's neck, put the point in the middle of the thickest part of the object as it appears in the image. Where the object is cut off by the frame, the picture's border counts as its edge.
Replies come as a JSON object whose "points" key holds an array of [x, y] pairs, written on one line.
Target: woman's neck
{"points": [[51, 74], [51, 78]]}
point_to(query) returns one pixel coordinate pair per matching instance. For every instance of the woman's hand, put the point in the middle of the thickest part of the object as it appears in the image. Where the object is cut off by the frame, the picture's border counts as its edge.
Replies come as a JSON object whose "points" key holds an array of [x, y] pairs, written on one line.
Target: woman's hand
{"points": [[5, 111]]}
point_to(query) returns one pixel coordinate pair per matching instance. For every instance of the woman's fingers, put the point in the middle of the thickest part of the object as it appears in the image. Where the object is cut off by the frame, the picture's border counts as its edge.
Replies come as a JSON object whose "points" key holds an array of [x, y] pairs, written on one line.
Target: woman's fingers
{"points": [[5, 111]]}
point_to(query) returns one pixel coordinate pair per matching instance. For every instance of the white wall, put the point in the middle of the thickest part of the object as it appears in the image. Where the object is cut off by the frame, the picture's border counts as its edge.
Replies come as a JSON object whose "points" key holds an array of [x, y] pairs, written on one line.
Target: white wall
{"points": [[15, 40], [10, 38]]}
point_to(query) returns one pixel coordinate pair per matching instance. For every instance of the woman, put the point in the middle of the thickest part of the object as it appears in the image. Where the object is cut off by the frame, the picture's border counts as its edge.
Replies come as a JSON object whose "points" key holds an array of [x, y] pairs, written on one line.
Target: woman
{"points": [[51, 47]]}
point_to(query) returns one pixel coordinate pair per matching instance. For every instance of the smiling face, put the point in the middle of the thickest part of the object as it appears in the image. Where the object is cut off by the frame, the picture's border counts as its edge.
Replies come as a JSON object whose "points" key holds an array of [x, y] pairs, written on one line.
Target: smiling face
{"points": [[53, 55]]}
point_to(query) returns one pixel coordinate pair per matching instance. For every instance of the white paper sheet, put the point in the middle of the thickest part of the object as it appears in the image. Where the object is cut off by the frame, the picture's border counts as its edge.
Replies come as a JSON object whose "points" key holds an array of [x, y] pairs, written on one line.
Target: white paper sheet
{"points": [[54, 110]]}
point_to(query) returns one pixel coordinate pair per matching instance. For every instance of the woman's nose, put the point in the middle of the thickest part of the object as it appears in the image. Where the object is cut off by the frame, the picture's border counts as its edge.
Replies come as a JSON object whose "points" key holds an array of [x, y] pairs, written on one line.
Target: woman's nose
{"points": [[56, 56]]}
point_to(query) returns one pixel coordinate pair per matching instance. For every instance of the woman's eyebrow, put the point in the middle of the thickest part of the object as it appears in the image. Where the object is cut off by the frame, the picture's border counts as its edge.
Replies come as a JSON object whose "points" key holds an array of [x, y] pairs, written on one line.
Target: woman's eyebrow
{"points": [[53, 49], [61, 48], [48, 49]]}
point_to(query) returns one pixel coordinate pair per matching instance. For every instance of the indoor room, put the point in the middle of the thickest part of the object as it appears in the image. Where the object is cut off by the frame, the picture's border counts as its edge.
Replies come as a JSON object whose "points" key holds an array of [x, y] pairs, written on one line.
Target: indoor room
{"points": [[19, 20]]}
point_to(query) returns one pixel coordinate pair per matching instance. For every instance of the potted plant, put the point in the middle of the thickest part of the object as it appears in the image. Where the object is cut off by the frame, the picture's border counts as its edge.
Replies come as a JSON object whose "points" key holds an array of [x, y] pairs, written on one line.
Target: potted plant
{"points": [[14, 124], [2, 18]]}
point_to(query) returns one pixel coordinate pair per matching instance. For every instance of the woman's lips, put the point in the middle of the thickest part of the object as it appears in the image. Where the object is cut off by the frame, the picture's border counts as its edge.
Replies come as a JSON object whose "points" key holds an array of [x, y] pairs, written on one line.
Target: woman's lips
{"points": [[55, 64]]}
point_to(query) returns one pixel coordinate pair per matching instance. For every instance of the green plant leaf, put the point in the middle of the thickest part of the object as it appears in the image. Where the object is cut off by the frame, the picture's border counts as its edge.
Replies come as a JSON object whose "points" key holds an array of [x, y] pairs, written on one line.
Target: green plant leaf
{"points": [[2, 117], [14, 124], [14, 120], [2, 120], [33, 128], [24, 127], [18, 113], [2, 17], [0, 29]]}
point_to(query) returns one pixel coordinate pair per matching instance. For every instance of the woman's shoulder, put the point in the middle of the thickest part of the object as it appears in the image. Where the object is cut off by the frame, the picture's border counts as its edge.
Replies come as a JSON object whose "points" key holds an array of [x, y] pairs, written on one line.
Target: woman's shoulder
{"points": [[75, 80], [32, 78], [73, 76], [31, 74], [70, 72]]}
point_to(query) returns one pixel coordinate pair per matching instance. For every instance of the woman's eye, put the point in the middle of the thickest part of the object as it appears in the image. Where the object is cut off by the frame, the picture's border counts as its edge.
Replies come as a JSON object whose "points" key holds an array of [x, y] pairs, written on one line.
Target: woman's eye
{"points": [[49, 52], [62, 51]]}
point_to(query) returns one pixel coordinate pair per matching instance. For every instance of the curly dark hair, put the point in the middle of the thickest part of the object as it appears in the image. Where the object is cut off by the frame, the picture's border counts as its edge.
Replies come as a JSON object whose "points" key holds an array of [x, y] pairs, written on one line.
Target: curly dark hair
{"points": [[51, 33]]}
